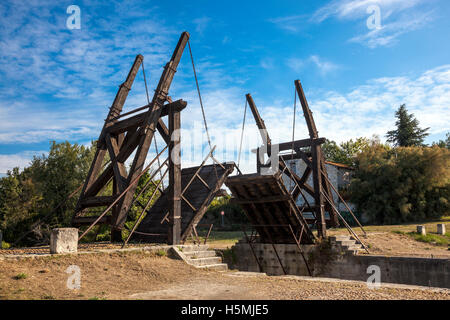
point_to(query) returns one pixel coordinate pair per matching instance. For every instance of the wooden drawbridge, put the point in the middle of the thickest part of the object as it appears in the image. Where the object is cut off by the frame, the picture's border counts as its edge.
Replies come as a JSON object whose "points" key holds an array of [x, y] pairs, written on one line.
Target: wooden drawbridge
{"points": [[199, 185]]}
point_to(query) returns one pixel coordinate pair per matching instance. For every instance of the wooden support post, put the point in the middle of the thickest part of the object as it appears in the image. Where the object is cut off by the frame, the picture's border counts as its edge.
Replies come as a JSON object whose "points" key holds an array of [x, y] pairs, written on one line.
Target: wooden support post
{"points": [[262, 130], [318, 198], [174, 234], [316, 156]]}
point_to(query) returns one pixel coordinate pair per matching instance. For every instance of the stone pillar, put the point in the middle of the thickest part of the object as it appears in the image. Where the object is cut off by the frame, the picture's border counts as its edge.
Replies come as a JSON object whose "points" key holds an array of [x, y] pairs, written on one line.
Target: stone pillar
{"points": [[441, 229], [64, 240], [421, 230]]}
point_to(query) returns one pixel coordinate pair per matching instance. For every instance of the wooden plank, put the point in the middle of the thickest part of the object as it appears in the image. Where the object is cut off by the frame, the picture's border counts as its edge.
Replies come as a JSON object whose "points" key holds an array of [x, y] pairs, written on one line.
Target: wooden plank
{"points": [[210, 196], [265, 199]]}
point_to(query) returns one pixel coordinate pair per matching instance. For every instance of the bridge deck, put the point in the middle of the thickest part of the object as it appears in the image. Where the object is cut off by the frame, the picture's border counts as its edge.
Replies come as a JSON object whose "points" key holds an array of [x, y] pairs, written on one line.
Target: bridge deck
{"points": [[268, 205], [197, 194]]}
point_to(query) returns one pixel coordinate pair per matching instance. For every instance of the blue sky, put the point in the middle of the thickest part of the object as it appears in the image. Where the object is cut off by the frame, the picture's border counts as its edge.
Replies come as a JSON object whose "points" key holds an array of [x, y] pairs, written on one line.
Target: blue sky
{"points": [[57, 84]]}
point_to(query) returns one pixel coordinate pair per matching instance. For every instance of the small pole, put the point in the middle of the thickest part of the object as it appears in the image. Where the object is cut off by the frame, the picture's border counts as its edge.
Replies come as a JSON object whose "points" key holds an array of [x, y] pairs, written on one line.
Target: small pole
{"points": [[222, 214]]}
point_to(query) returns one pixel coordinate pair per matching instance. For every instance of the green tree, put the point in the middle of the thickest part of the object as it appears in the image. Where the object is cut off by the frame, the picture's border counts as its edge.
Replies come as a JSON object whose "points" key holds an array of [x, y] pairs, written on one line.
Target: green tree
{"points": [[234, 215], [443, 143], [58, 174], [345, 152], [408, 132], [28, 199], [19, 203], [405, 184]]}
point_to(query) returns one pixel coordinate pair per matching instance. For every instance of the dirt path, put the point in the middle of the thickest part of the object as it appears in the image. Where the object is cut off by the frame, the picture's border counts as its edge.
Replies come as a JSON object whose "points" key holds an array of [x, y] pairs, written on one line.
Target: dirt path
{"points": [[141, 275], [393, 244]]}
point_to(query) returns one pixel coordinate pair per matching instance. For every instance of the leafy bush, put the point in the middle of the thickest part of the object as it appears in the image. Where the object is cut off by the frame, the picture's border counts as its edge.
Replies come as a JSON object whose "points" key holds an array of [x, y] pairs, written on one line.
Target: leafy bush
{"points": [[402, 185], [233, 218], [5, 245]]}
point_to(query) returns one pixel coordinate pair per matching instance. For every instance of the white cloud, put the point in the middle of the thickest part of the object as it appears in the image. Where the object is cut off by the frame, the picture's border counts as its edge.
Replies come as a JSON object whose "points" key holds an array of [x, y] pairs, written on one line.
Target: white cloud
{"points": [[369, 109], [201, 24], [21, 160], [77, 71], [397, 17], [293, 23], [324, 67], [388, 33], [354, 9], [267, 63], [365, 110]]}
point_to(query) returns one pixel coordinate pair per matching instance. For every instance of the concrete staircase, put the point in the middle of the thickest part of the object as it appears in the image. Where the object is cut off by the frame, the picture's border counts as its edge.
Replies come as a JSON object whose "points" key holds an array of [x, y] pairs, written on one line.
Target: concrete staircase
{"points": [[346, 244], [200, 257]]}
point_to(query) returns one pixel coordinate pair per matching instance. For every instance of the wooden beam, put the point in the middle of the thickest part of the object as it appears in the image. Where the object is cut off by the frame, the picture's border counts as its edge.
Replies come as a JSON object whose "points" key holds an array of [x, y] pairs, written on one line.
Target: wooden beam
{"points": [[175, 196], [80, 221], [114, 111], [146, 133], [138, 120], [97, 201], [259, 121], [120, 172], [313, 133], [316, 154], [301, 143]]}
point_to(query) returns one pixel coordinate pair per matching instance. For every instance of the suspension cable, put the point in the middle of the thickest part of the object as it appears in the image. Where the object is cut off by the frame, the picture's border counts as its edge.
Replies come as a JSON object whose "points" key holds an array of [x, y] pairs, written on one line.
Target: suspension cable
{"points": [[154, 135], [293, 132], [201, 105], [242, 133]]}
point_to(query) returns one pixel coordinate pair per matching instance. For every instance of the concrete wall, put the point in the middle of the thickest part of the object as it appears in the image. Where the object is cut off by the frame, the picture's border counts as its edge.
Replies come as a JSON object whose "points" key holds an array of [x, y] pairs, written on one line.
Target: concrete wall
{"points": [[403, 270], [288, 253]]}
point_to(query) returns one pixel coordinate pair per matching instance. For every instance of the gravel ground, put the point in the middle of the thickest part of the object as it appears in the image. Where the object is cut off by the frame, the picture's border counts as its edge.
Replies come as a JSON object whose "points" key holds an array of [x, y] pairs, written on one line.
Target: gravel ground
{"points": [[142, 275]]}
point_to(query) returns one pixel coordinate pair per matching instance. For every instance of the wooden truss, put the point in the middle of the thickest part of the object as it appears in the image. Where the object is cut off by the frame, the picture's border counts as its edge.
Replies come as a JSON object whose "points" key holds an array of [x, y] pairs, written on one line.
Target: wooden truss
{"points": [[120, 138], [315, 165]]}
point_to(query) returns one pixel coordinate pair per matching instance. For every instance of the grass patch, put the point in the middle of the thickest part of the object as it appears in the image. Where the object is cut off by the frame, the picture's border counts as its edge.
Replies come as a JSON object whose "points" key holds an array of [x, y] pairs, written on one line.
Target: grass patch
{"points": [[20, 276], [436, 239], [48, 297], [221, 238], [431, 226], [161, 253]]}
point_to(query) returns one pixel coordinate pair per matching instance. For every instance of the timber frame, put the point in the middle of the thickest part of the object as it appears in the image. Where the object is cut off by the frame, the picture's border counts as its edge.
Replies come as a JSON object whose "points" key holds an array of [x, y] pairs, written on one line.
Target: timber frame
{"points": [[315, 164], [120, 138]]}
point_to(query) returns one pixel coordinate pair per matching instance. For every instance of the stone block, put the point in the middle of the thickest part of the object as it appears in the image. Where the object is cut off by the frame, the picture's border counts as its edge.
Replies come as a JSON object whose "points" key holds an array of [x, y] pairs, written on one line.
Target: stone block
{"points": [[441, 229], [421, 230], [64, 240]]}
